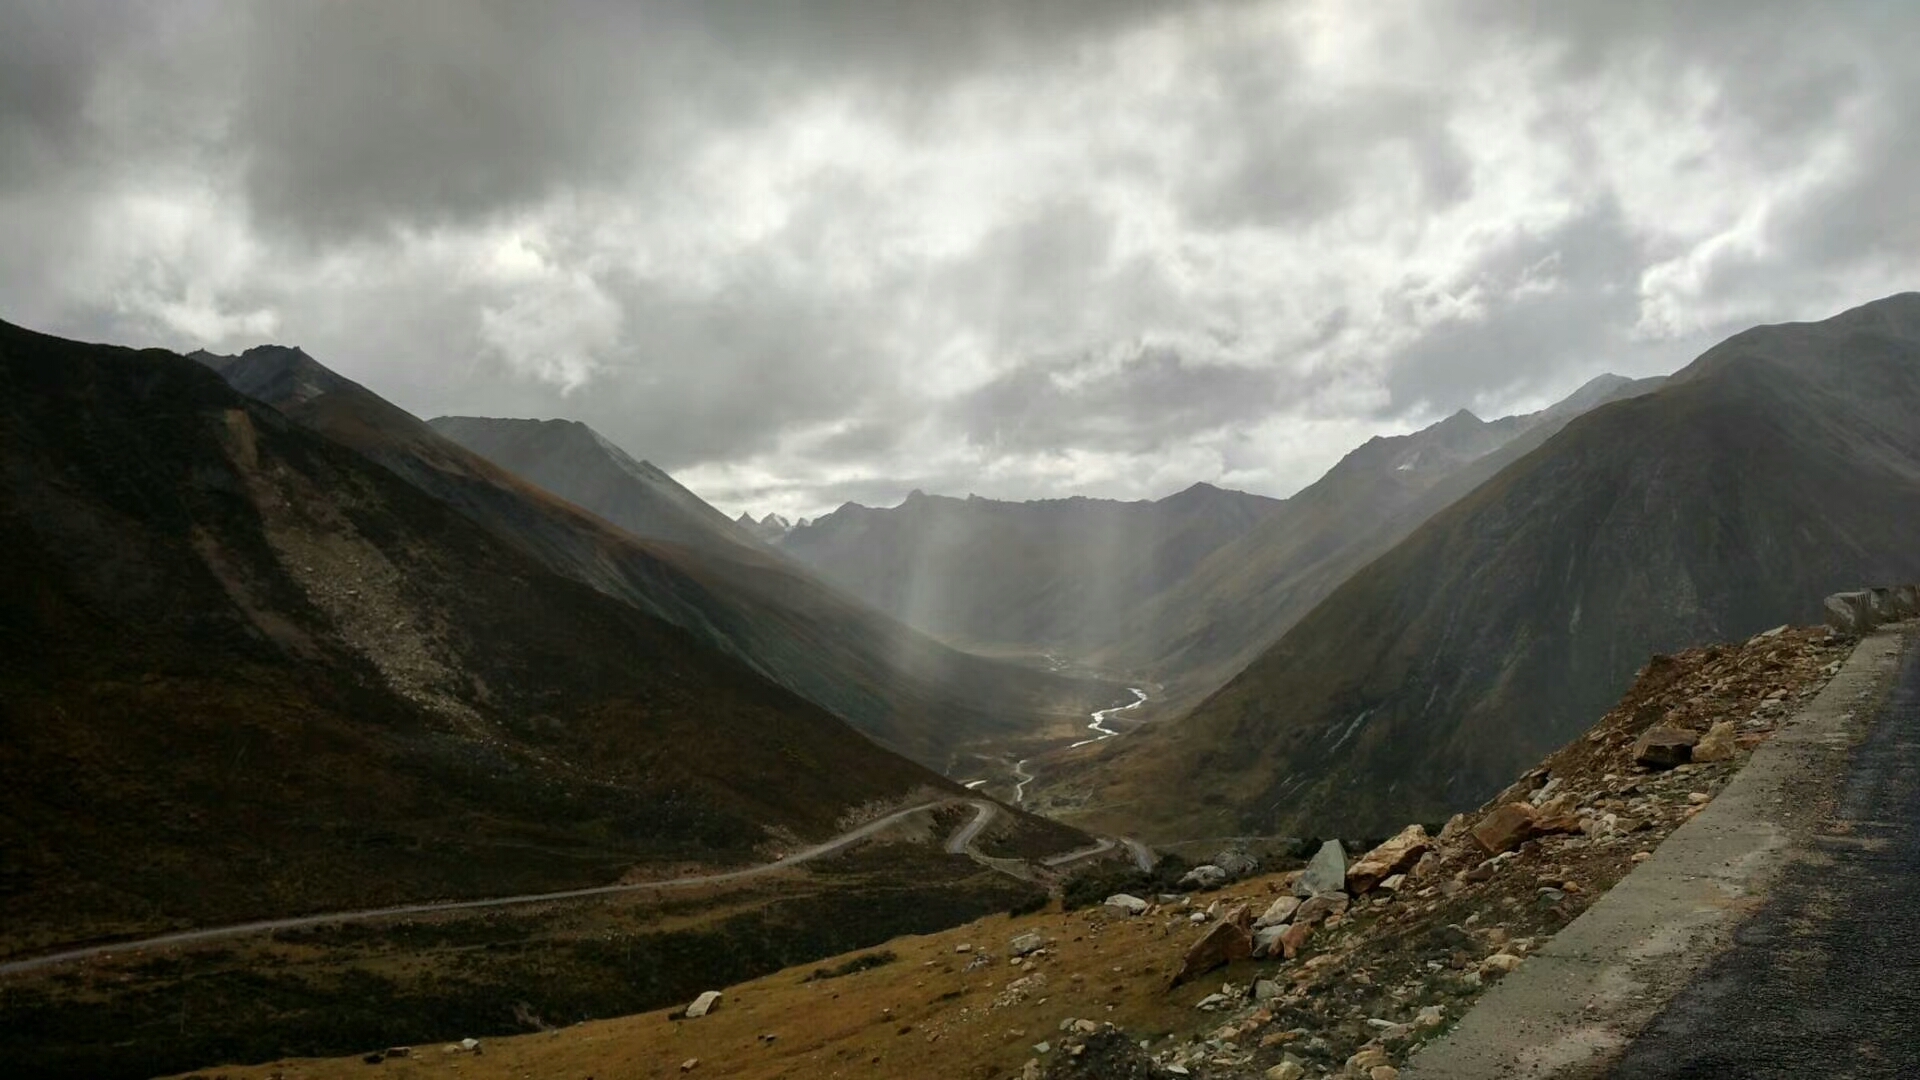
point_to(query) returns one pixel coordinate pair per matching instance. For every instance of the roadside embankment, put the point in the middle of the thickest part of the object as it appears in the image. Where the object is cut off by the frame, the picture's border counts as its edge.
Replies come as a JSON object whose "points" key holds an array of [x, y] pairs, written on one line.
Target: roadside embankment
{"points": [[1580, 999]]}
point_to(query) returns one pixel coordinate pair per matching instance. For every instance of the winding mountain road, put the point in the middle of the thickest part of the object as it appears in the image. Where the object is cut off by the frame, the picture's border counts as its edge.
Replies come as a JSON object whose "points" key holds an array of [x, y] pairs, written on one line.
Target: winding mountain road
{"points": [[962, 839], [984, 813]]}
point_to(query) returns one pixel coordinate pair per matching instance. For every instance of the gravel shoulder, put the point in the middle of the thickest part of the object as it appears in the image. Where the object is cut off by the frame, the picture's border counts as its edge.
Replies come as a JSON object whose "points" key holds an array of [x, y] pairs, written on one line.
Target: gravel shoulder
{"points": [[1582, 997]]}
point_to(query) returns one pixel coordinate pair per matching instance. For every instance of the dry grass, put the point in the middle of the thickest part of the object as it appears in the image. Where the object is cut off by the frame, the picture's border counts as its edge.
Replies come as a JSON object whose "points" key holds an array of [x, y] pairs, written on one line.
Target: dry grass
{"points": [[923, 1015]]}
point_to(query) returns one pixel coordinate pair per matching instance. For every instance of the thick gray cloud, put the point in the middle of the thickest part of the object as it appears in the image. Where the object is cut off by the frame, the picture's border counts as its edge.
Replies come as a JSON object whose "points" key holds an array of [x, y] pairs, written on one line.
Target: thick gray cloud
{"points": [[801, 253]]}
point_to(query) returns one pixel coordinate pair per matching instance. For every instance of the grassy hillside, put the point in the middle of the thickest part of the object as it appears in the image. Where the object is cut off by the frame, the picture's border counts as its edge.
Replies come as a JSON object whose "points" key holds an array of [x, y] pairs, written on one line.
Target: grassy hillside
{"points": [[244, 671], [1242, 597]]}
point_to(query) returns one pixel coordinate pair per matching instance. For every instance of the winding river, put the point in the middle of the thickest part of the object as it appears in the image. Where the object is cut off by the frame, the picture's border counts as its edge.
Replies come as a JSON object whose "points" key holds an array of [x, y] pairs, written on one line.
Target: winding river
{"points": [[1101, 731]]}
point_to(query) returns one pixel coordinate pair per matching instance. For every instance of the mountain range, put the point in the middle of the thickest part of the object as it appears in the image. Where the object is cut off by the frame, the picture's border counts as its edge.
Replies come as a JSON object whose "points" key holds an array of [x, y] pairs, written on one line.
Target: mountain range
{"points": [[1056, 575], [245, 670], [897, 685], [1781, 465], [1186, 590]]}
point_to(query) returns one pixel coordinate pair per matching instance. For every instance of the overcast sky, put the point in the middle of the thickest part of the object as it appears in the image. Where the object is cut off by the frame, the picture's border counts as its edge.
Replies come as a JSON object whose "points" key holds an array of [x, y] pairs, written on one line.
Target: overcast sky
{"points": [[820, 250]]}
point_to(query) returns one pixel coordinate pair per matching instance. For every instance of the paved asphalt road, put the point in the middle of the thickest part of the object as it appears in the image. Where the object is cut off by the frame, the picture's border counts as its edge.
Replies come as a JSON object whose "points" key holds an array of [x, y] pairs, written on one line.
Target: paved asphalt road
{"points": [[984, 812], [1824, 980]]}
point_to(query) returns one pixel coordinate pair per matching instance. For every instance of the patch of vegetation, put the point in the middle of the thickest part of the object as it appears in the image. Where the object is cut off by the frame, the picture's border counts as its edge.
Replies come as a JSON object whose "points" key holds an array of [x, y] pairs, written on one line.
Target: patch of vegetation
{"points": [[1029, 836], [1096, 883], [853, 966], [1037, 900], [262, 1000]]}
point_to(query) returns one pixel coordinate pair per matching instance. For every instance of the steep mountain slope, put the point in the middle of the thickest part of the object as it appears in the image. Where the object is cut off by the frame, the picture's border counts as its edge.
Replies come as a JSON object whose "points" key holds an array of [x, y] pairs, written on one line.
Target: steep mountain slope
{"points": [[1056, 574], [910, 692], [1242, 597], [1782, 465], [574, 462], [245, 671]]}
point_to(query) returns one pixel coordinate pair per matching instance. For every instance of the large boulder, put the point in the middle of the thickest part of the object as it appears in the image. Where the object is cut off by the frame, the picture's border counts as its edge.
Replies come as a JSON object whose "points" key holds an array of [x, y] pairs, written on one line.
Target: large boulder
{"points": [[1664, 747], [1504, 828], [1205, 876], [1716, 745], [1326, 873], [1224, 942], [703, 1005], [1850, 613], [1396, 856], [1906, 601], [1235, 862], [1880, 603], [1126, 905], [1022, 944]]}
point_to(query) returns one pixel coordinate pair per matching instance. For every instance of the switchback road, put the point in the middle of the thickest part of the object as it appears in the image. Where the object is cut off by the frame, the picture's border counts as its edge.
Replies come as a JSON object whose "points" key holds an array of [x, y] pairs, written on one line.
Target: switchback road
{"points": [[984, 812]]}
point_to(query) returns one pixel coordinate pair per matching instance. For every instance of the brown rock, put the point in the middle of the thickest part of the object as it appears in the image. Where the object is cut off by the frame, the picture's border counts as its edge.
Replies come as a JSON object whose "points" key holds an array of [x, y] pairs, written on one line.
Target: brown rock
{"points": [[1393, 857], [1717, 744], [1565, 823], [1292, 938], [1664, 747], [1321, 906], [1501, 963], [1223, 943], [1366, 1057], [1504, 828]]}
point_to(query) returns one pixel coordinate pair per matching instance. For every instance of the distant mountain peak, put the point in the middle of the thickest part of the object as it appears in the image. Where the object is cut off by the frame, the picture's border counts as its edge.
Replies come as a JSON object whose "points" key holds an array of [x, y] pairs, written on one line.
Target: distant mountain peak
{"points": [[769, 528], [578, 463]]}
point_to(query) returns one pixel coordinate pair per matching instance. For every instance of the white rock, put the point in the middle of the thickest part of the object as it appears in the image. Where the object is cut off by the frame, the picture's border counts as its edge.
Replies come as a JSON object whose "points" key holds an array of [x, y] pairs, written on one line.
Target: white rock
{"points": [[703, 1004], [1277, 912]]}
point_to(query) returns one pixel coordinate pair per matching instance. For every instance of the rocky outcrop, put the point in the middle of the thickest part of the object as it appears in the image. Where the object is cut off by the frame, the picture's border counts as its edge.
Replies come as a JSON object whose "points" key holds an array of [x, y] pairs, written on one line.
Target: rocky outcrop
{"points": [[1393, 857], [1716, 745], [1504, 828], [1227, 941], [1205, 876], [1326, 873], [1664, 747], [1855, 613], [1278, 912]]}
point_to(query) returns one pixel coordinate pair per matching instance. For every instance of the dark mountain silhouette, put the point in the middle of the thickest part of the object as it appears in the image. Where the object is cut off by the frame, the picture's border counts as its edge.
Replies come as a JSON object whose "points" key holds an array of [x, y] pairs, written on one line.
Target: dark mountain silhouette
{"points": [[913, 694], [246, 671], [1781, 465]]}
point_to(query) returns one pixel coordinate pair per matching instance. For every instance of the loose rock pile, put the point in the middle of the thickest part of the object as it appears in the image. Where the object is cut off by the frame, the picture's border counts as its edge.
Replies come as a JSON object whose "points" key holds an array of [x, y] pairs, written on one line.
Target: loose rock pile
{"points": [[1364, 961]]}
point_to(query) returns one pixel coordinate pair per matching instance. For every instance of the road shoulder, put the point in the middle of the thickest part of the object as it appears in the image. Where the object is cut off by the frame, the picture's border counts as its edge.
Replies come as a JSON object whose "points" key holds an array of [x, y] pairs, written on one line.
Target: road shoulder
{"points": [[1575, 1004]]}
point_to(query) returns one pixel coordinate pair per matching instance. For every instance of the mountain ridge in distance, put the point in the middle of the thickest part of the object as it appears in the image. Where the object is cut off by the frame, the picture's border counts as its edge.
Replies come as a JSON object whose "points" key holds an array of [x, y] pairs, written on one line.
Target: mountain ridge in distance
{"points": [[1044, 575], [1781, 465], [933, 703], [1243, 597]]}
